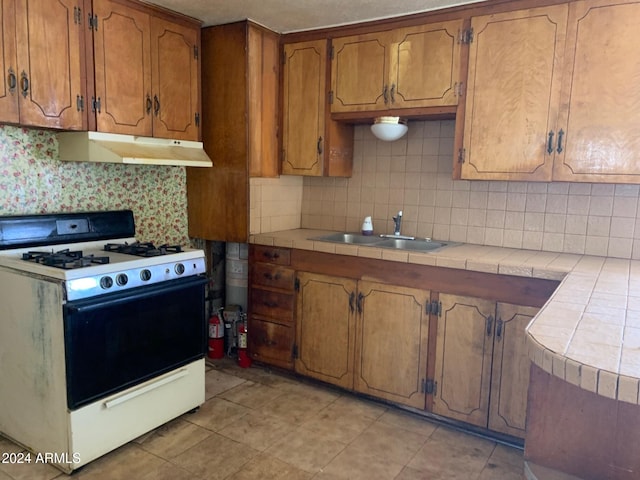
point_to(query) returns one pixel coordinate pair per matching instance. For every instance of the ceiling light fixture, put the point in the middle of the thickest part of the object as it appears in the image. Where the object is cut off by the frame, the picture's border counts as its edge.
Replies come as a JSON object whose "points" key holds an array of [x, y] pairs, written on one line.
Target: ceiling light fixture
{"points": [[389, 129]]}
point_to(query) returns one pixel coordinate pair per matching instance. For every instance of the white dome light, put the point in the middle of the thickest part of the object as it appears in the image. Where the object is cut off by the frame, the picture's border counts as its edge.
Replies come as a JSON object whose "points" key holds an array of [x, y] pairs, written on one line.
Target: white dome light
{"points": [[389, 129]]}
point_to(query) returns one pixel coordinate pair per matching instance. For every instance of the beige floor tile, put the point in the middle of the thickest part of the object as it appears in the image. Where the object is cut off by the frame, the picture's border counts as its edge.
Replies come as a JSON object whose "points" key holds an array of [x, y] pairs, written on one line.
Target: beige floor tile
{"points": [[349, 405], [251, 394], [169, 471], [127, 462], [214, 458], [501, 472], [255, 374], [389, 443], [216, 414], [295, 408], [173, 438], [263, 467], [451, 454], [408, 421], [258, 431], [306, 450], [318, 393], [355, 464], [217, 381], [29, 471], [503, 455]]}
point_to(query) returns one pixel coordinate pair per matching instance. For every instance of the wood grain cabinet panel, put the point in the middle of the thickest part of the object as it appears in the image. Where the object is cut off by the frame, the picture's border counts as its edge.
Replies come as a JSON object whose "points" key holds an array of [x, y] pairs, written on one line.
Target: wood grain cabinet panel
{"points": [[325, 328], [513, 92], [510, 370], [401, 68], [482, 366], [270, 342], [240, 74], [562, 107], [463, 358], [43, 64], [312, 144], [9, 111], [599, 114], [392, 337], [146, 73]]}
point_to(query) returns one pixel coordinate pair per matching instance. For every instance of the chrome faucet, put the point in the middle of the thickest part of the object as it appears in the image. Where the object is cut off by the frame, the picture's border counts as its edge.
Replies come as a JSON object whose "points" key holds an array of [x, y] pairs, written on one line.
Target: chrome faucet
{"points": [[397, 220]]}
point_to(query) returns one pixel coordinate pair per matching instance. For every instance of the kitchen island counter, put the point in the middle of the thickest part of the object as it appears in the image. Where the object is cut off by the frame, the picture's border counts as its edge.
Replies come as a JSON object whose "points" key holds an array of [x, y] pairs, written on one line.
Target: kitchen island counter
{"points": [[588, 332]]}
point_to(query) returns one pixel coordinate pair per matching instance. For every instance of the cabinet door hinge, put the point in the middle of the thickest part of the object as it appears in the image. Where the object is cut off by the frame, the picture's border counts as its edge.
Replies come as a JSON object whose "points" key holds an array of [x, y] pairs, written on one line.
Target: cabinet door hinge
{"points": [[435, 308], [95, 104], [330, 97], [294, 351], [296, 285], [77, 15], [460, 90], [331, 52], [461, 154], [80, 103], [195, 52], [197, 119], [431, 387], [93, 22], [466, 36]]}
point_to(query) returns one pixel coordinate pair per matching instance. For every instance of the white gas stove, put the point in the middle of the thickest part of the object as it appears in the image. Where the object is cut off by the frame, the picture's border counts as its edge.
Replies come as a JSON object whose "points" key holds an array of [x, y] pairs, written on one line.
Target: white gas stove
{"points": [[102, 337]]}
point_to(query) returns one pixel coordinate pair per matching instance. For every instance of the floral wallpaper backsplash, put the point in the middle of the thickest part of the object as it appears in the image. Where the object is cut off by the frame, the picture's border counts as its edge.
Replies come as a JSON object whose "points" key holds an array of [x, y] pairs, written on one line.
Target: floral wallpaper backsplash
{"points": [[34, 180]]}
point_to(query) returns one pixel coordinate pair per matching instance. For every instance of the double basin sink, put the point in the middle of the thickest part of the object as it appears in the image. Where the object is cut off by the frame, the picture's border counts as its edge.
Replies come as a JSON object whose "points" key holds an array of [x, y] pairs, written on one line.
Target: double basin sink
{"points": [[400, 243]]}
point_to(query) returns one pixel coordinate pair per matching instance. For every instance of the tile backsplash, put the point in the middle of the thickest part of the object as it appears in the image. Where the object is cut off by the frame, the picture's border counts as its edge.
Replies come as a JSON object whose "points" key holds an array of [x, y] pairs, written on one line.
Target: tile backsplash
{"points": [[33, 180], [414, 173]]}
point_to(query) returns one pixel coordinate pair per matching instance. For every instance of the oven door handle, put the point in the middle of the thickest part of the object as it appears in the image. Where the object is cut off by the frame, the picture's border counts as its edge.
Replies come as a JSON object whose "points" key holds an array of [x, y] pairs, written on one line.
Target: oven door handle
{"points": [[127, 296], [183, 372]]}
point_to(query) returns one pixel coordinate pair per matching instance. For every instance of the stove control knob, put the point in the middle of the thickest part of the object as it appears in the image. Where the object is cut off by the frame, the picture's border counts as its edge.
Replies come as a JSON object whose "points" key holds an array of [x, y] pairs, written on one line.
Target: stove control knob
{"points": [[179, 268], [106, 282], [122, 279], [145, 275]]}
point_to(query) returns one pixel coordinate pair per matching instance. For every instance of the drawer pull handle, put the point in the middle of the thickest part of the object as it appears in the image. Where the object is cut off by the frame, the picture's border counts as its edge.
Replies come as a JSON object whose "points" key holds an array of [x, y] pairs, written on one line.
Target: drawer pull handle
{"points": [[550, 143], [499, 324], [560, 135], [270, 304], [147, 388], [268, 276], [352, 298], [271, 256]]}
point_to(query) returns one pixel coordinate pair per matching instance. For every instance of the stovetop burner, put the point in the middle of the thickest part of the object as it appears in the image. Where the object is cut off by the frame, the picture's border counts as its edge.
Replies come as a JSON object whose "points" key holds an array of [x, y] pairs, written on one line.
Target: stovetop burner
{"points": [[142, 249], [65, 259]]}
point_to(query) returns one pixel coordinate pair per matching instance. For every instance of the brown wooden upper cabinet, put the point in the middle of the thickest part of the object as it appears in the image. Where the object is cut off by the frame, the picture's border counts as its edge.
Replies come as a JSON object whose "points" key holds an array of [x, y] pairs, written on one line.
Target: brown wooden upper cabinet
{"points": [[402, 68], [549, 95], [312, 144], [146, 72], [43, 64]]}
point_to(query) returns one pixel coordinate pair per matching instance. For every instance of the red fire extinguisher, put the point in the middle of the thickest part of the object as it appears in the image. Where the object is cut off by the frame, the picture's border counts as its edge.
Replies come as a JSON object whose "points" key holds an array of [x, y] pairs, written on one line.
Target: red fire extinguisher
{"points": [[243, 358], [216, 336]]}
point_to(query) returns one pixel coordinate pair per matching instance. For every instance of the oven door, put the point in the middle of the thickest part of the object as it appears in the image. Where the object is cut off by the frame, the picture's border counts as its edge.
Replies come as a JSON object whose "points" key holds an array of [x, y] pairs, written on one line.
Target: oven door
{"points": [[117, 340]]}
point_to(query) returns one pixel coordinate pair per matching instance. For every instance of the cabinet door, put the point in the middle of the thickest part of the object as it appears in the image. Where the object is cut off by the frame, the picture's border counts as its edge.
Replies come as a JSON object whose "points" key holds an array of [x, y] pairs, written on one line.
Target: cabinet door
{"points": [[359, 72], [8, 64], [270, 342], [325, 327], [425, 65], [513, 93], [600, 97], [174, 80], [464, 346], [122, 69], [392, 334], [51, 68], [304, 91], [510, 375]]}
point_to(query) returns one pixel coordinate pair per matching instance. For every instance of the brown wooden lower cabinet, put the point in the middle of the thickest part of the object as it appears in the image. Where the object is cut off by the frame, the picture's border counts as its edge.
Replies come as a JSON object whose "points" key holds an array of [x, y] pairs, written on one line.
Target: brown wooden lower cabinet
{"points": [[325, 328], [481, 366], [368, 328], [392, 338]]}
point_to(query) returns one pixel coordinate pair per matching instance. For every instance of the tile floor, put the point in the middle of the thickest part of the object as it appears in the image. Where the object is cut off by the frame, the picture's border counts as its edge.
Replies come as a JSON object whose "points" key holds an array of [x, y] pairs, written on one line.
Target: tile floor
{"points": [[256, 424]]}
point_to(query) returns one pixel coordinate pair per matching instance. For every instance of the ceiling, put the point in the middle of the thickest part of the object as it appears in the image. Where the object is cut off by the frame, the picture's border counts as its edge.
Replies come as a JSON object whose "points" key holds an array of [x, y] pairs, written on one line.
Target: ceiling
{"points": [[285, 16]]}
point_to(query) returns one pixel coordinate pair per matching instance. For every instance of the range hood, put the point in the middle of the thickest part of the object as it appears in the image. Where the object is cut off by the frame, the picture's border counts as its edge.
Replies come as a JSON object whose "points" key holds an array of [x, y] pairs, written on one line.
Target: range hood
{"points": [[116, 148]]}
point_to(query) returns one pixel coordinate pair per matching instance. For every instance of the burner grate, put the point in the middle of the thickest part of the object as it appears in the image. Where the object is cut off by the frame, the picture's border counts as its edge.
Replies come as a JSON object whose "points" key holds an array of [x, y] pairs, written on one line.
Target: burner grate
{"points": [[66, 259], [142, 249]]}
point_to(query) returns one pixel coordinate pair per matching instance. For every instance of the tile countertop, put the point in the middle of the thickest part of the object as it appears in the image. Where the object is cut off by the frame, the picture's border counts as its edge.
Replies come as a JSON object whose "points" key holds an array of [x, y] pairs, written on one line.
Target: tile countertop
{"points": [[588, 332]]}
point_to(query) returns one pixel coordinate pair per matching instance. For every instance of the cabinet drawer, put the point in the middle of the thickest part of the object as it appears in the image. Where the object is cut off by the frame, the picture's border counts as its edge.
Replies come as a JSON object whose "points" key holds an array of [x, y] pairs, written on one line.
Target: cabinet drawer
{"points": [[272, 276], [270, 342], [272, 304], [277, 255]]}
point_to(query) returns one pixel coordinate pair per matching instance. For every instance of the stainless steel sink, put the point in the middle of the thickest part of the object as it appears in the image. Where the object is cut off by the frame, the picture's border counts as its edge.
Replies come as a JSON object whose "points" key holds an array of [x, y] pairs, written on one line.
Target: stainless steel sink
{"points": [[351, 238], [414, 245]]}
